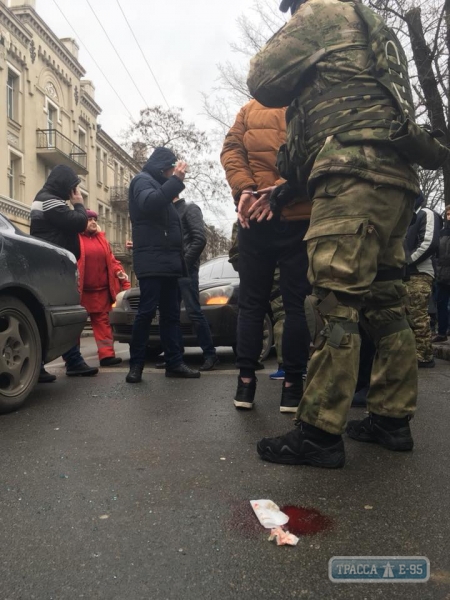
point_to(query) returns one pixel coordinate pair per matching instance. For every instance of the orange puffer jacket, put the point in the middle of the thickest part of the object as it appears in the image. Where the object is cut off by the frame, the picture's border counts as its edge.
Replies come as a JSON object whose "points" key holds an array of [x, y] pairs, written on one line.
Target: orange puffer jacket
{"points": [[250, 150]]}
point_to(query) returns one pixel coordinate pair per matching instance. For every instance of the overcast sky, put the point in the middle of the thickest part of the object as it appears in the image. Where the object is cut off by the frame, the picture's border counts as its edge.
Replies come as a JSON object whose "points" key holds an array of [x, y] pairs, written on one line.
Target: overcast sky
{"points": [[182, 41]]}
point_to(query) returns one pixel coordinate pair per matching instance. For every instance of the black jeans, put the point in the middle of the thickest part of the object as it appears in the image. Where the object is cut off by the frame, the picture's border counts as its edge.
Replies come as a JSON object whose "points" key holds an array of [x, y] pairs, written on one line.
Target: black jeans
{"points": [[190, 296], [261, 248], [162, 292], [442, 298]]}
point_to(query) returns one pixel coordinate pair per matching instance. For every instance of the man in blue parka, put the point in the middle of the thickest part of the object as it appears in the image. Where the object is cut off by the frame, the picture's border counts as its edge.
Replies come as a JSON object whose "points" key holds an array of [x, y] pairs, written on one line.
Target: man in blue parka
{"points": [[158, 260]]}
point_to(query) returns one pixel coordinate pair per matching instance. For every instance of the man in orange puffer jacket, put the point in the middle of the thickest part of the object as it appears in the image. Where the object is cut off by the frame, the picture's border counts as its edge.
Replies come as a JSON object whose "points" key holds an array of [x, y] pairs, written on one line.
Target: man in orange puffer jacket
{"points": [[101, 277], [249, 156]]}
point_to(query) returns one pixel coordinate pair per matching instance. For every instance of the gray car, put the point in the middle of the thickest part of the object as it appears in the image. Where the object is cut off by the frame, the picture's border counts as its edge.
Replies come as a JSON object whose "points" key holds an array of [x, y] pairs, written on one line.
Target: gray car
{"points": [[219, 292], [40, 312]]}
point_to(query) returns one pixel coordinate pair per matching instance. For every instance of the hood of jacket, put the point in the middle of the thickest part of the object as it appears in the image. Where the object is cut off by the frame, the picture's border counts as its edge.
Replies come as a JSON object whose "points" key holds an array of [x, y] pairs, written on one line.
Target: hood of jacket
{"points": [[160, 160], [60, 182]]}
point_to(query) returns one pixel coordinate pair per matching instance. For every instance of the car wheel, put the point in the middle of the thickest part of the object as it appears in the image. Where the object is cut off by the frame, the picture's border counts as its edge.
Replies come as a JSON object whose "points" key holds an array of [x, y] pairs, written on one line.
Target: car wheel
{"points": [[267, 338], [20, 353]]}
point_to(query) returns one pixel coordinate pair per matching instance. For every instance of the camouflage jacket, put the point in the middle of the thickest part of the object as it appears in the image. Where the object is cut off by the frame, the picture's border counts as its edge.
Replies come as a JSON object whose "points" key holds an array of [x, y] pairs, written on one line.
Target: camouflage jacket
{"points": [[325, 47]]}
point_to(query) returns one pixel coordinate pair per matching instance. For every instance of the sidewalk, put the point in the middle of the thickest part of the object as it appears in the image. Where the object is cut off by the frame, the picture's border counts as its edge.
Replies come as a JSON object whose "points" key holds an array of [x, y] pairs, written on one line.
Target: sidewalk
{"points": [[442, 350]]}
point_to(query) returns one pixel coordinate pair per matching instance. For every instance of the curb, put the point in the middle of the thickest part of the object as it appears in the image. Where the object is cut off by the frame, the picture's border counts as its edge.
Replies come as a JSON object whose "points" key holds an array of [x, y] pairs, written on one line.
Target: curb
{"points": [[442, 351]]}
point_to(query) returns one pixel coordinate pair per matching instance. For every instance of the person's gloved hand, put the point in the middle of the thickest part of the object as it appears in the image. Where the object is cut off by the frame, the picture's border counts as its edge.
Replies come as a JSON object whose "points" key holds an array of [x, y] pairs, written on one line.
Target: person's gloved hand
{"points": [[281, 196]]}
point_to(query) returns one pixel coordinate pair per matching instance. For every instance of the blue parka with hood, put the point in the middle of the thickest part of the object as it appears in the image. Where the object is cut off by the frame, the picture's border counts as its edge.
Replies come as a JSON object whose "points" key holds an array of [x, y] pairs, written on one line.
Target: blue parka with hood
{"points": [[157, 233]]}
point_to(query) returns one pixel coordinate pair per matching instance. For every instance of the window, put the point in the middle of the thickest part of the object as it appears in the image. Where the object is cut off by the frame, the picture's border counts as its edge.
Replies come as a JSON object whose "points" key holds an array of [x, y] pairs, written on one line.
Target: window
{"points": [[82, 139], [52, 118], [12, 95], [98, 164], [101, 216], [10, 88], [105, 168], [107, 223], [14, 171]]}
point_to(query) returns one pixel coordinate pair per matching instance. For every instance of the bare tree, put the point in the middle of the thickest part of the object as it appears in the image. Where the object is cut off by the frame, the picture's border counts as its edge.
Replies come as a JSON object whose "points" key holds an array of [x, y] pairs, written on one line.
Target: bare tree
{"points": [[158, 126]]}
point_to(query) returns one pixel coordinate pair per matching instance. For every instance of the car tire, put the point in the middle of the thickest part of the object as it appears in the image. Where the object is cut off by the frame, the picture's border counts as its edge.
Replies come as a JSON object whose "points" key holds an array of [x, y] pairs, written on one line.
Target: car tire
{"points": [[20, 353], [267, 338]]}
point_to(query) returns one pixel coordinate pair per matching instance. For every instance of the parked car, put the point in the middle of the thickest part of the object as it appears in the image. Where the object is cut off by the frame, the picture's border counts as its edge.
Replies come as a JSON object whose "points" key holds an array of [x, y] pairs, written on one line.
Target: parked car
{"points": [[219, 291], [40, 312]]}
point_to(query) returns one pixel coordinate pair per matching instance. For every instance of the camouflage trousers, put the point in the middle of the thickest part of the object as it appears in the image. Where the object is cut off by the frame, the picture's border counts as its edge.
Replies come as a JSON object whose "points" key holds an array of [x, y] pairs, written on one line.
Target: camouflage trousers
{"points": [[419, 291], [276, 304], [355, 238]]}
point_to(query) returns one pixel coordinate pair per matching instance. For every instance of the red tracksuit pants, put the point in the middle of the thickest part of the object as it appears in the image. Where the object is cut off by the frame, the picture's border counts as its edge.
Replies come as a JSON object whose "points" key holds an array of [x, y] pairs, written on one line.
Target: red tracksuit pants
{"points": [[98, 305], [102, 334]]}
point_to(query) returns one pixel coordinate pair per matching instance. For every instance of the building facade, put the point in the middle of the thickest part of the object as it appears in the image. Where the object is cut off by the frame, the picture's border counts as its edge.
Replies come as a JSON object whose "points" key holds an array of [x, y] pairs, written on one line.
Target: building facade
{"points": [[49, 116]]}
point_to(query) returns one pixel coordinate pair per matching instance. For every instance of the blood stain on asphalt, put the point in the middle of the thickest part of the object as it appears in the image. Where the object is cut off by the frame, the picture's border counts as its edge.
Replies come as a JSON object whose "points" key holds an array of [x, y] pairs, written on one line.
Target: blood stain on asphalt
{"points": [[306, 521]]}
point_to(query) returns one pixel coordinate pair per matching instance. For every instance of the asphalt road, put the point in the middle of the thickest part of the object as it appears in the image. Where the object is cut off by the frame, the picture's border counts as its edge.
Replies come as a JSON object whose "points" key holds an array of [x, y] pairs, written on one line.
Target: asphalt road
{"points": [[118, 492]]}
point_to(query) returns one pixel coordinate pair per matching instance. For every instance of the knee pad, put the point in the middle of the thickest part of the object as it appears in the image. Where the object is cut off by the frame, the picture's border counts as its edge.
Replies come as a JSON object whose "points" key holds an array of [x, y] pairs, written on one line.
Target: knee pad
{"points": [[320, 328]]}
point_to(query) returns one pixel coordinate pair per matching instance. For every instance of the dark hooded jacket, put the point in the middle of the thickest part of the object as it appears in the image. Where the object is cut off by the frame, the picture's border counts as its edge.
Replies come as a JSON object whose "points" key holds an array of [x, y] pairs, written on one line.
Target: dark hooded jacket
{"points": [[443, 261], [157, 234], [422, 239], [52, 219], [194, 237]]}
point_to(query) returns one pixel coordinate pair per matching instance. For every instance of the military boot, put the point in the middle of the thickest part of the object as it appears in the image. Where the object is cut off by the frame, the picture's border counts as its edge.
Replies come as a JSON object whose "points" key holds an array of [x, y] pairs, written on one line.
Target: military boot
{"points": [[305, 445], [393, 434]]}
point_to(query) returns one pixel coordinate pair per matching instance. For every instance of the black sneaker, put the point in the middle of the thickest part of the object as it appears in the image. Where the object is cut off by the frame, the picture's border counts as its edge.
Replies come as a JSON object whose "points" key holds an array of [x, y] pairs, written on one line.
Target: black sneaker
{"points": [[290, 397], [245, 394], [45, 376], [305, 445], [182, 371], [81, 370], [110, 361], [134, 374], [210, 363], [393, 434]]}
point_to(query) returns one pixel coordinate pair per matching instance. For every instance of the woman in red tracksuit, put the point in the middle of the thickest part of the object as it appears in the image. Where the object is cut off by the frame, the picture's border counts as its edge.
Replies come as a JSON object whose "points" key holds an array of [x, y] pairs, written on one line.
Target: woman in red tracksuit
{"points": [[101, 278]]}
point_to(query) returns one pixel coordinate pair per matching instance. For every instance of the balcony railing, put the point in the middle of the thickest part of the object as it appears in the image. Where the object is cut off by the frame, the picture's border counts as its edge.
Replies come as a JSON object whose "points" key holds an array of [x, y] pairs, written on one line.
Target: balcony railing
{"points": [[55, 148], [119, 198], [121, 252]]}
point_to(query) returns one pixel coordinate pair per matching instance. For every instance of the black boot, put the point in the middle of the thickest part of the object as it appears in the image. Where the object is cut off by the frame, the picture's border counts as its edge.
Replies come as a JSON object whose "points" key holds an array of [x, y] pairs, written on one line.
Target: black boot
{"points": [[134, 374], [210, 363], [45, 376], [393, 434], [305, 445], [110, 361], [182, 371], [360, 398], [290, 397], [245, 394], [81, 370]]}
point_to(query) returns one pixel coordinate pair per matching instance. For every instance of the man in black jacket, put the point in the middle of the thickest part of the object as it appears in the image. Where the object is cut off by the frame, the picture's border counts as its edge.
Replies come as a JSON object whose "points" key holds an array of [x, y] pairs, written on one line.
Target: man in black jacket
{"points": [[158, 260], [194, 241], [53, 221]]}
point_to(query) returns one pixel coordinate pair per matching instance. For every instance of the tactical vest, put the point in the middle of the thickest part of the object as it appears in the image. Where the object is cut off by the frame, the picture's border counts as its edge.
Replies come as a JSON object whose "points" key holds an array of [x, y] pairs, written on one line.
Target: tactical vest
{"points": [[375, 106]]}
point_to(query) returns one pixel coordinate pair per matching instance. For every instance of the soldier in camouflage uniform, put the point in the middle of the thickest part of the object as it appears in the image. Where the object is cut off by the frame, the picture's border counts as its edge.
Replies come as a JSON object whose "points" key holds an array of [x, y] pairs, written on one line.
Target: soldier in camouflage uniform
{"points": [[351, 143]]}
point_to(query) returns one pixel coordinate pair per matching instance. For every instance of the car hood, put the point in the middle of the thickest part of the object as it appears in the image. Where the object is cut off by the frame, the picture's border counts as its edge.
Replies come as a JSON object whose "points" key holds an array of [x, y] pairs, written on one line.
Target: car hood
{"points": [[205, 285]]}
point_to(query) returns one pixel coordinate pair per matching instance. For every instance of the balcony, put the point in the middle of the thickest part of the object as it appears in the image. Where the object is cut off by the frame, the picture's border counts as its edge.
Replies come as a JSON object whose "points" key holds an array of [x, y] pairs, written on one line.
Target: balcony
{"points": [[119, 198], [56, 149], [121, 253]]}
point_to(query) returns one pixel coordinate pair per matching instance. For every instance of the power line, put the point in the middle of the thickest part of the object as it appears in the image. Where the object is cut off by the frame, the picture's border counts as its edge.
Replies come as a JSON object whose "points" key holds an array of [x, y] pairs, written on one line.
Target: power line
{"points": [[93, 59], [142, 52], [118, 55]]}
